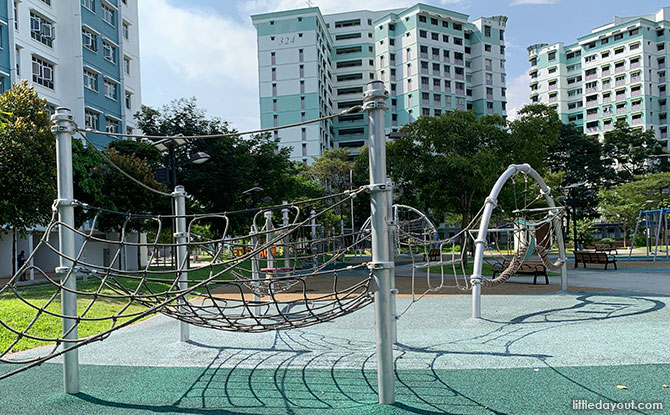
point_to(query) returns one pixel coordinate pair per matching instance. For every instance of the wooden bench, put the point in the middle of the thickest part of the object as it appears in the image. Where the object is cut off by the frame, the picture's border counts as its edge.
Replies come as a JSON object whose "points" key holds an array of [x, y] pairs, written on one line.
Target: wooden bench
{"points": [[434, 255], [594, 258], [605, 248], [528, 267]]}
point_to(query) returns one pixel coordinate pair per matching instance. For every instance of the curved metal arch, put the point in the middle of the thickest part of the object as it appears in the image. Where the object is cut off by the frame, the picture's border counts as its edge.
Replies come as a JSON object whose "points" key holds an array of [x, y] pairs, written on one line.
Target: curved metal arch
{"points": [[480, 242]]}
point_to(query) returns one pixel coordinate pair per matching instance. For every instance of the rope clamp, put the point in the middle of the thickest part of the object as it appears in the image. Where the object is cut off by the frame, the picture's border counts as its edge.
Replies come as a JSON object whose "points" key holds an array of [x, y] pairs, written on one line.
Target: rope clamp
{"points": [[179, 234], [65, 202], [491, 200], [63, 128], [379, 187], [394, 291], [381, 265], [371, 105], [64, 270]]}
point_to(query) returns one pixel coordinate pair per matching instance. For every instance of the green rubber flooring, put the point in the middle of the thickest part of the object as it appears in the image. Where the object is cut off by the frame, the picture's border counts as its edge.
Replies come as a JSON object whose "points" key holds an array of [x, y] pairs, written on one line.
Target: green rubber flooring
{"points": [[213, 390]]}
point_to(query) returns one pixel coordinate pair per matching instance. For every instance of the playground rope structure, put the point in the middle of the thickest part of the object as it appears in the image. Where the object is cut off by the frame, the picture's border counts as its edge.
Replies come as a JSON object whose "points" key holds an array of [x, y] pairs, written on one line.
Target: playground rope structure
{"points": [[237, 289]]}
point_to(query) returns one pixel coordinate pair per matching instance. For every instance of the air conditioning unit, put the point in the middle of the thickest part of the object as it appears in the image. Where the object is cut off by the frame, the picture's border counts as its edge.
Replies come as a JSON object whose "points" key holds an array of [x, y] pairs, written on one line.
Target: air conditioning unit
{"points": [[47, 30]]}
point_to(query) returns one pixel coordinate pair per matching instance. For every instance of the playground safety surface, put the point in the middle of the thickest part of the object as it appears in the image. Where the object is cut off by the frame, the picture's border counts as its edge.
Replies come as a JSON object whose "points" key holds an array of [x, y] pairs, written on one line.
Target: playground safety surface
{"points": [[531, 354]]}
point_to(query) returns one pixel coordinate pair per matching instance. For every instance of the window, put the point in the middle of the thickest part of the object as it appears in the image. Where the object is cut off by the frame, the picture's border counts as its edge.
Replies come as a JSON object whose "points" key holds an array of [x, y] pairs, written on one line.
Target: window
{"points": [[457, 26], [552, 69], [41, 29], [423, 33], [89, 4], [110, 89], [487, 48], [487, 31], [434, 36], [422, 19], [126, 30], [552, 55], [108, 15], [109, 52], [348, 23], [604, 41], [111, 125], [445, 38], [89, 40], [458, 41], [43, 72], [91, 119], [18, 61], [618, 36], [16, 16], [90, 80], [590, 58], [128, 99], [126, 65], [633, 32]]}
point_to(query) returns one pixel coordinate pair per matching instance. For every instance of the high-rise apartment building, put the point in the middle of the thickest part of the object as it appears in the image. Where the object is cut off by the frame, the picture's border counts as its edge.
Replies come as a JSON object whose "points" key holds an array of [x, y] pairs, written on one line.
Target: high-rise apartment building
{"points": [[81, 54], [616, 72], [432, 60]]}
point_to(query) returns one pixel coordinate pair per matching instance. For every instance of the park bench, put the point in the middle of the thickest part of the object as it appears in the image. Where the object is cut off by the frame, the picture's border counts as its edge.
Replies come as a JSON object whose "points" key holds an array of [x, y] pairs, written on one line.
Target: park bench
{"points": [[434, 255], [529, 267], [605, 248], [594, 258]]}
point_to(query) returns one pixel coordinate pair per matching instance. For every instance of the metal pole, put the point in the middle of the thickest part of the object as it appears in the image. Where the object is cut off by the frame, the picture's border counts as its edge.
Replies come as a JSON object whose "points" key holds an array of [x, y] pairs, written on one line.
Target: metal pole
{"points": [[31, 248], [179, 197], [255, 268], [284, 216], [268, 238], [375, 103], [64, 129], [353, 228], [311, 243], [632, 242], [393, 223]]}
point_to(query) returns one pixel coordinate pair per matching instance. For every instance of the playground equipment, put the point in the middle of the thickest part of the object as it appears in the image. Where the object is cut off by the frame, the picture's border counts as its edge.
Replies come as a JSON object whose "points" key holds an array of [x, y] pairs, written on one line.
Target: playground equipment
{"points": [[264, 286], [654, 224]]}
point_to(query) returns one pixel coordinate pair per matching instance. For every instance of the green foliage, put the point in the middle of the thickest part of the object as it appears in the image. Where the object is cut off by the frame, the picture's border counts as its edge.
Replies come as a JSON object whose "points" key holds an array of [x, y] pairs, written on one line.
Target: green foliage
{"points": [[607, 241], [332, 169], [629, 149], [27, 159], [623, 203]]}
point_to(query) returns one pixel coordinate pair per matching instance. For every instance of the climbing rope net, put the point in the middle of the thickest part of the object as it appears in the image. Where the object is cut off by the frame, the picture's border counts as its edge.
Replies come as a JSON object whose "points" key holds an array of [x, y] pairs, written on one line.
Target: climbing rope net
{"points": [[285, 272]]}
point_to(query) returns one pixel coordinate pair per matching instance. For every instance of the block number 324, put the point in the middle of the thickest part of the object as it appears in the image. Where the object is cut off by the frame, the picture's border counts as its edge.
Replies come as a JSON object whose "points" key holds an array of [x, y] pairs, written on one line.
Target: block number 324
{"points": [[286, 40]]}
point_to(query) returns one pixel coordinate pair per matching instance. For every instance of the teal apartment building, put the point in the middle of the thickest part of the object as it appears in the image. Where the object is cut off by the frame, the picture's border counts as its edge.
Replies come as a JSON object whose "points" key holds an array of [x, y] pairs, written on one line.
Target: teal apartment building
{"points": [[616, 72], [431, 59], [80, 54]]}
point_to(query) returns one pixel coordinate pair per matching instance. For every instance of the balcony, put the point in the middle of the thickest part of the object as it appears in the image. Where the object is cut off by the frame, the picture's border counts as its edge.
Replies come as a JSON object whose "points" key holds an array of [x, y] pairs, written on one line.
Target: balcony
{"points": [[591, 90], [488, 67], [489, 82], [436, 87], [446, 59], [661, 93], [636, 78], [591, 103], [592, 116], [447, 89], [664, 134], [637, 121], [620, 83], [393, 77], [425, 86], [606, 72], [661, 80], [636, 93], [636, 107], [553, 99], [424, 71], [458, 61], [460, 91], [489, 111], [635, 65], [553, 87], [489, 96], [662, 107], [661, 65], [592, 130], [460, 76], [436, 72], [591, 77], [620, 96], [423, 55], [621, 110], [460, 106], [608, 127], [447, 104], [425, 102], [607, 99], [619, 69], [436, 57], [437, 103], [392, 62]]}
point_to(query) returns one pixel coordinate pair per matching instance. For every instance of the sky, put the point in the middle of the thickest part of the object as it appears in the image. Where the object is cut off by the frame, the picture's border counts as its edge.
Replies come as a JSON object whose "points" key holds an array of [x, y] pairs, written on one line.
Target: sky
{"points": [[207, 48]]}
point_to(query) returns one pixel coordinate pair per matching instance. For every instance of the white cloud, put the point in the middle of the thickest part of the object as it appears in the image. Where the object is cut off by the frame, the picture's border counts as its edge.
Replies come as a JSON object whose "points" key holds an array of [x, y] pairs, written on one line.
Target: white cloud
{"points": [[201, 53], [336, 6], [517, 95], [523, 2]]}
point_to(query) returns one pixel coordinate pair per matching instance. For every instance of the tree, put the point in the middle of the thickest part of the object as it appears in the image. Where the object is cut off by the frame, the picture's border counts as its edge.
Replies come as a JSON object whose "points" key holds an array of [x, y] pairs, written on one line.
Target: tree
{"points": [[628, 150], [623, 203], [236, 163], [332, 170], [27, 161], [579, 159]]}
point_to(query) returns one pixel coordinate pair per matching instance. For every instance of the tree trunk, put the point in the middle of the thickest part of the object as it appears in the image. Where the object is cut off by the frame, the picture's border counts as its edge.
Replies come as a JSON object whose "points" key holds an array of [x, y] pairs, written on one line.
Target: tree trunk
{"points": [[13, 251]]}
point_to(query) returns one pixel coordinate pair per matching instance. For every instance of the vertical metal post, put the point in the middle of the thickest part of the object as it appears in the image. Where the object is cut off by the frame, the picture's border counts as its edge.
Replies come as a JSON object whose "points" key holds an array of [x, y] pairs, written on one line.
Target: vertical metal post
{"points": [[393, 226], [312, 244], [284, 217], [255, 268], [375, 103], [179, 198], [64, 129], [353, 227], [31, 248], [268, 238]]}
